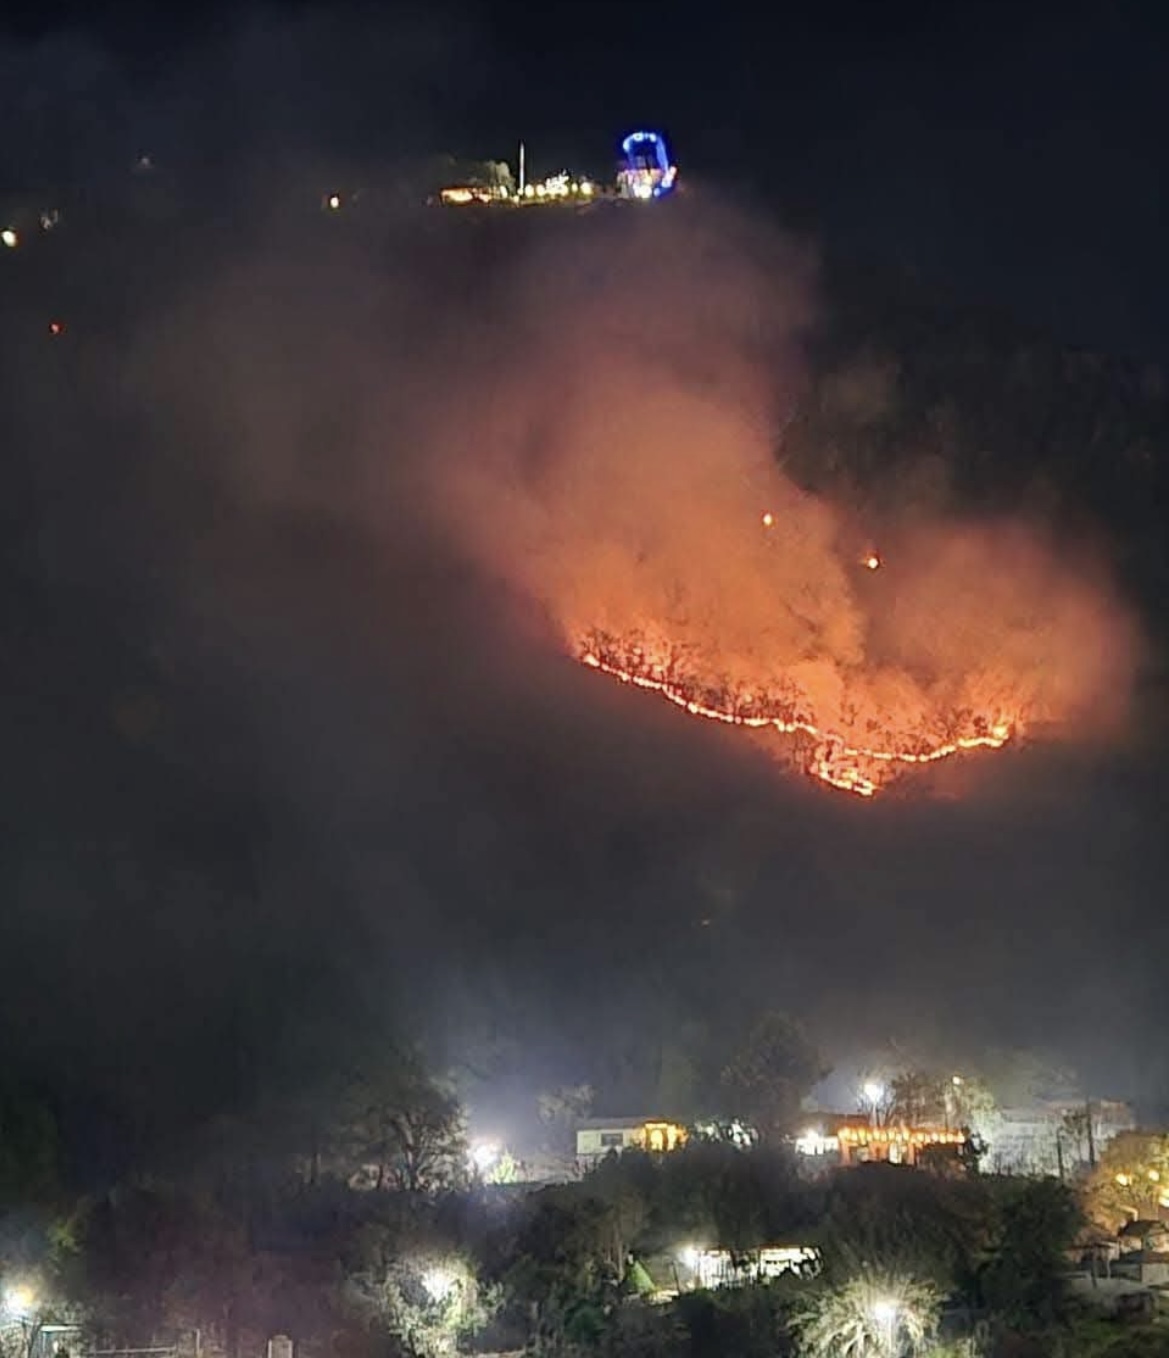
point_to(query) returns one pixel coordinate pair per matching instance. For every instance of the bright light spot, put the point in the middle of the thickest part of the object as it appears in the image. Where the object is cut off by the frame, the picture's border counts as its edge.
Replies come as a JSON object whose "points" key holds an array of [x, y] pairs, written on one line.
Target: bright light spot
{"points": [[813, 1142], [10, 237], [874, 1091], [439, 1283], [769, 519], [1154, 1176], [1123, 1180], [956, 1081], [484, 1154], [334, 202], [56, 328], [586, 188], [872, 561], [690, 1256], [885, 1311], [19, 1301]]}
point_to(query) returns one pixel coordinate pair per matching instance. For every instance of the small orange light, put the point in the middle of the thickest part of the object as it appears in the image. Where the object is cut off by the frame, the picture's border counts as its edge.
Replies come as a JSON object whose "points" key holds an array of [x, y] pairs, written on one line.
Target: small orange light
{"points": [[56, 328], [872, 561], [769, 519]]}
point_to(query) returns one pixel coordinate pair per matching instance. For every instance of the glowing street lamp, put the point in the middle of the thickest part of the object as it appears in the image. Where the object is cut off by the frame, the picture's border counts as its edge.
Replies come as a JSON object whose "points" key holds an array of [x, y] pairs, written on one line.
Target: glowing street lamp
{"points": [[19, 1301], [874, 1092], [484, 1154], [885, 1312], [439, 1283]]}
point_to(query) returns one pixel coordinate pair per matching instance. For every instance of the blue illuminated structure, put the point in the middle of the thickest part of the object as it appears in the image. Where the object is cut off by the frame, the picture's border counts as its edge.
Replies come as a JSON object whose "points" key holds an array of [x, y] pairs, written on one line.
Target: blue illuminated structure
{"points": [[646, 172]]}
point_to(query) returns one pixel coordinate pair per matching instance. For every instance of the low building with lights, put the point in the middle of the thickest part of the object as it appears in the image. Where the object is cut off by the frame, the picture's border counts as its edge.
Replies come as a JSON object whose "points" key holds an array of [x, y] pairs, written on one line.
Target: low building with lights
{"points": [[704, 1267], [853, 1140], [598, 1137]]}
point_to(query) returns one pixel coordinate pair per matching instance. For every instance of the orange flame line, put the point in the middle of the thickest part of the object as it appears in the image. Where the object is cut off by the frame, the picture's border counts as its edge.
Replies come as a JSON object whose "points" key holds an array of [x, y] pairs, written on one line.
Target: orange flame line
{"points": [[835, 747]]}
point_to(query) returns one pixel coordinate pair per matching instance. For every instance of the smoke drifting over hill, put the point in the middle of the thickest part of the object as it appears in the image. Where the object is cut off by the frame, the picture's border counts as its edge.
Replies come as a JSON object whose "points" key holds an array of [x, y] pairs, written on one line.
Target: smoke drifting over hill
{"points": [[311, 518], [613, 455]]}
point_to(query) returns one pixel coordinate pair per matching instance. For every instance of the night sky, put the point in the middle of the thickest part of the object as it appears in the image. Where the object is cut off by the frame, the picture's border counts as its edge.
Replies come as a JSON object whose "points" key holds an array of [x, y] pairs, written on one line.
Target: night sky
{"points": [[1018, 159], [284, 765]]}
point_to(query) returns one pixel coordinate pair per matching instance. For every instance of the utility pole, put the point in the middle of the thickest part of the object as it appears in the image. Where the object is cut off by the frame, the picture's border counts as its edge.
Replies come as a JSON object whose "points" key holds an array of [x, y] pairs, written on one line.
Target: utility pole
{"points": [[1091, 1135]]}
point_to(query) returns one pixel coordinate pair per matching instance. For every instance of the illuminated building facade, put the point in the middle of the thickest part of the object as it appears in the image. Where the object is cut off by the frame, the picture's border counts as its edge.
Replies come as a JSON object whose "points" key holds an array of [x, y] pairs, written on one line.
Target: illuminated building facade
{"points": [[598, 1137], [646, 171], [854, 1140], [463, 195], [709, 1268]]}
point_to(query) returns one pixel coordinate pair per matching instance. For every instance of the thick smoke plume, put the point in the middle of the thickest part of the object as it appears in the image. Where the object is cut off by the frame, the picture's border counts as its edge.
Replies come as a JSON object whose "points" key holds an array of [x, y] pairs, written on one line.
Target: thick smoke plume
{"points": [[616, 458]]}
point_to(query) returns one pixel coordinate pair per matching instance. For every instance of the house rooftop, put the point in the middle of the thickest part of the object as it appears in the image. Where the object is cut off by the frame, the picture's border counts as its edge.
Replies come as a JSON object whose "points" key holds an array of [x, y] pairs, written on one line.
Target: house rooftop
{"points": [[620, 1124], [1141, 1228]]}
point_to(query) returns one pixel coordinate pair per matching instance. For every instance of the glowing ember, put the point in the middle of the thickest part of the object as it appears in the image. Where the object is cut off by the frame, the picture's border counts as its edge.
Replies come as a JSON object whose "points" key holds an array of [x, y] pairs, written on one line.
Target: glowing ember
{"points": [[829, 756]]}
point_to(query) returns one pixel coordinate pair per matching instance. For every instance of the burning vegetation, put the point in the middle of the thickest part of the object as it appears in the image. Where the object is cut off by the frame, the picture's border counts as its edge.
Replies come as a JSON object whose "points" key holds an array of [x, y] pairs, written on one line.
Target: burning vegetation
{"points": [[627, 472], [824, 754]]}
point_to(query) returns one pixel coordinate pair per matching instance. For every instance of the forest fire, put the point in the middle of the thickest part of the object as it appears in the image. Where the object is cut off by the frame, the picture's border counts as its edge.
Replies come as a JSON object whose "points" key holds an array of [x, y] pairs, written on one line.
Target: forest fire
{"points": [[628, 482], [828, 756]]}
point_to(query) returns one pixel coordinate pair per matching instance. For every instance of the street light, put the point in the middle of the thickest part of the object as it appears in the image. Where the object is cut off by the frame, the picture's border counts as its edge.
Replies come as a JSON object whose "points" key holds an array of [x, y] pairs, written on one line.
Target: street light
{"points": [[484, 1155], [874, 1092], [19, 1300], [439, 1282], [885, 1312]]}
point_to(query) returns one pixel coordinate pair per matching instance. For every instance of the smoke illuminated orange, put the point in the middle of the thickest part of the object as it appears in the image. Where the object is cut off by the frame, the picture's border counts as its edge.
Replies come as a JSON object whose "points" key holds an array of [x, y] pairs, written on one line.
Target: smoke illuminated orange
{"points": [[623, 472]]}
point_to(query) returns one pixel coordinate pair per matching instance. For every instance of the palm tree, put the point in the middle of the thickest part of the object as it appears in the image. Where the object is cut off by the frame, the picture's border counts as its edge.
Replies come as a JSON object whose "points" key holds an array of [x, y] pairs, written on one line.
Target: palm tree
{"points": [[873, 1316]]}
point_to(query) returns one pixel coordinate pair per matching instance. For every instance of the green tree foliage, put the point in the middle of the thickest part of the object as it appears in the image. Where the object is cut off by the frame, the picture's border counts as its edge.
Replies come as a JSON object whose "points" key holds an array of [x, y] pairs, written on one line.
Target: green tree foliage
{"points": [[903, 1222], [749, 1322], [406, 1126], [772, 1073], [1130, 1179], [559, 1268], [158, 1257], [1036, 1226], [917, 1099], [427, 1301]]}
